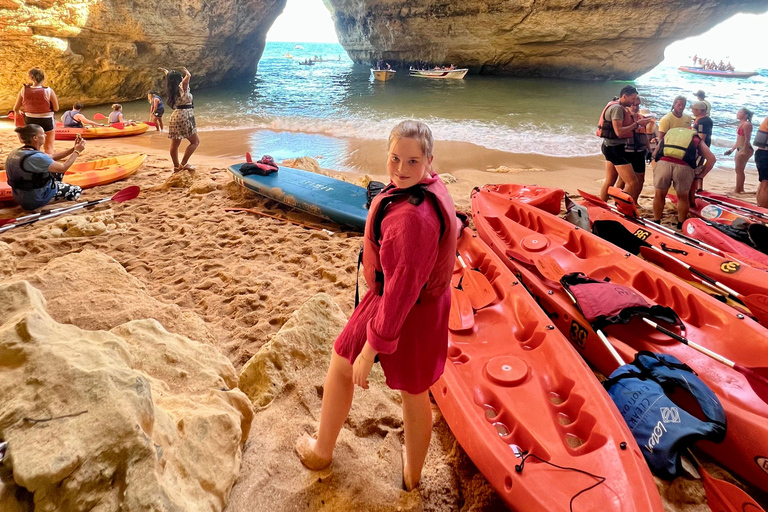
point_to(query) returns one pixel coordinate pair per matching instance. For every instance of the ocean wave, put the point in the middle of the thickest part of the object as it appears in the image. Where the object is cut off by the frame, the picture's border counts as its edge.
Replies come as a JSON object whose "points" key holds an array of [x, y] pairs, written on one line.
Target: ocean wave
{"points": [[525, 138]]}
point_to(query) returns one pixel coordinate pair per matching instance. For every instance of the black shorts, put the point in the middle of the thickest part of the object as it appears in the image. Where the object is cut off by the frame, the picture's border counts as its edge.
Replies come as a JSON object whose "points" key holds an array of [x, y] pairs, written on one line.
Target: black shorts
{"points": [[46, 123], [637, 159], [159, 112], [616, 154], [761, 160]]}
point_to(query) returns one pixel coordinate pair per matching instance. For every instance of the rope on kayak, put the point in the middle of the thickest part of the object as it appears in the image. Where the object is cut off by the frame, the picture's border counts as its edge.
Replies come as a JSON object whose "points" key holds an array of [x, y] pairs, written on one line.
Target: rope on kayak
{"points": [[600, 479]]}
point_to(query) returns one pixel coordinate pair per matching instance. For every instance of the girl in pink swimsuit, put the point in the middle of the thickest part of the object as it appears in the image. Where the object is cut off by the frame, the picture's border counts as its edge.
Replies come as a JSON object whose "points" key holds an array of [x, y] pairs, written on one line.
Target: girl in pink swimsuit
{"points": [[743, 147]]}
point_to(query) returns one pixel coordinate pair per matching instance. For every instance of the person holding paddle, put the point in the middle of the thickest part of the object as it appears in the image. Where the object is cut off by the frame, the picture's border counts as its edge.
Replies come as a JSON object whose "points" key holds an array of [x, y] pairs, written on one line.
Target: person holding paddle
{"points": [[409, 252], [34, 176]]}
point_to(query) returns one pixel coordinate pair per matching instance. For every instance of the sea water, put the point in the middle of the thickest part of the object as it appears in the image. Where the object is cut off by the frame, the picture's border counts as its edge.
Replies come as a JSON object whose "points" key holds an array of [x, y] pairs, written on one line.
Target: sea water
{"points": [[306, 110]]}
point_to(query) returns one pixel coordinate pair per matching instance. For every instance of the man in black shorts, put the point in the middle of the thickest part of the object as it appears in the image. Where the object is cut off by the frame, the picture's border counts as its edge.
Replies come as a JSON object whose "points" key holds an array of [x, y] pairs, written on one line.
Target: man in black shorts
{"points": [[761, 160], [615, 127]]}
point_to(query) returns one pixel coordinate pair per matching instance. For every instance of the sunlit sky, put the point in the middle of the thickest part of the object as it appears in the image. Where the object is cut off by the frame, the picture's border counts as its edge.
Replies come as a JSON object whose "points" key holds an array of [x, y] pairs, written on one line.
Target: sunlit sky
{"points": [[739, 39]]}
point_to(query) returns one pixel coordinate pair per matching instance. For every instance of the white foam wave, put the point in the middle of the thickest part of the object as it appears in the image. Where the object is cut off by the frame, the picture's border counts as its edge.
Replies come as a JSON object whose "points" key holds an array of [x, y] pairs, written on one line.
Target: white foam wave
{"points": [[525, 138]]}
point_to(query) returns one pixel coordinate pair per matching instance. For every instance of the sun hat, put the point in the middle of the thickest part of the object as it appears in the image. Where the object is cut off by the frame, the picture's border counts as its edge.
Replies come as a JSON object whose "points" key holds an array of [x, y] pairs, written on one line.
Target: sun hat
{"points": [[699, 105]]}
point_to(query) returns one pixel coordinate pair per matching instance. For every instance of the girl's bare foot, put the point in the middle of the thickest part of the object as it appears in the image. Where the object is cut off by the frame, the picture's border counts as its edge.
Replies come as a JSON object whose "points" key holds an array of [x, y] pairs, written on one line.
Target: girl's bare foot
{"points": [[305, 449], [409, 483]]}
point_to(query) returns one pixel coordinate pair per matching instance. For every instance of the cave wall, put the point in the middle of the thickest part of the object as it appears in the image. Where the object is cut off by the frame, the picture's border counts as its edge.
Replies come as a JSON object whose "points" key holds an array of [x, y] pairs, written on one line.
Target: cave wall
{"points": [[100, 51], [582, 39]]}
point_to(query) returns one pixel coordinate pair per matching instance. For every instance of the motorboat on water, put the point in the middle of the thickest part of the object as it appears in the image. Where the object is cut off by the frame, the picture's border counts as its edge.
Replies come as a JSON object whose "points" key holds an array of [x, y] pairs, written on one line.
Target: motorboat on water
{"points": [[716, 72], [454, 74], [382, 75]]}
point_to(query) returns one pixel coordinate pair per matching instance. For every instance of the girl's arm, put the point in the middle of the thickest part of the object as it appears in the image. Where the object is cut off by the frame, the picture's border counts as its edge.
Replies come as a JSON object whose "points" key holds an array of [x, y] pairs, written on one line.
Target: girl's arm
{"points": [[19, 101], [408, 253], [54, 100], [185, 80], [747, 135], [120, 118]]}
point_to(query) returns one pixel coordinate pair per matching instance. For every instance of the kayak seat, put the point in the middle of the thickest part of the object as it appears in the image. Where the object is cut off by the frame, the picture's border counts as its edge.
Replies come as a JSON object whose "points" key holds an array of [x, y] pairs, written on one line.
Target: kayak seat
{"points": [[688, 307]]}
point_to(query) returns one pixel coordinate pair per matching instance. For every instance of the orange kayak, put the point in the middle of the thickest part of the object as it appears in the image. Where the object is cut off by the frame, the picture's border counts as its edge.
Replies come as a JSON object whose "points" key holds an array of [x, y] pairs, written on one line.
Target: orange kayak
{"points": [[544, 198], [521, 234], [513, 384], [90, 174], [700, 230], [100, 132]]}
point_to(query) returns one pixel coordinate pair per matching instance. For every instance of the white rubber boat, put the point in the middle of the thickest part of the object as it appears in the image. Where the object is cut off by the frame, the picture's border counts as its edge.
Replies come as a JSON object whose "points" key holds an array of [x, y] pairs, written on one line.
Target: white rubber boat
{"points": [[454, 74], [382, 75]]}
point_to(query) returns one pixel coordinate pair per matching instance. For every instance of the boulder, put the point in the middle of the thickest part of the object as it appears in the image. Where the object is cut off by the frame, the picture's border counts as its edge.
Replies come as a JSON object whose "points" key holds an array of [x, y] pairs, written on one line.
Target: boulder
{"points": [[306, 163], [136, 419], [599, 39]]}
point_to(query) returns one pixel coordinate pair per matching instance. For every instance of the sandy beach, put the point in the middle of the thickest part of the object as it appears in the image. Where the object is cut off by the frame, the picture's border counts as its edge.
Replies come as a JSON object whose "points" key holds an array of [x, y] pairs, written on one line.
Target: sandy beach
{"points": [[234, 279]]}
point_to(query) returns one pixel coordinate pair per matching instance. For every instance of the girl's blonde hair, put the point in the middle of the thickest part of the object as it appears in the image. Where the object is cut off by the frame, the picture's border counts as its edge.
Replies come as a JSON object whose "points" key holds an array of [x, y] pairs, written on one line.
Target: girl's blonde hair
{"points": [[117, 106], [410, 129]]}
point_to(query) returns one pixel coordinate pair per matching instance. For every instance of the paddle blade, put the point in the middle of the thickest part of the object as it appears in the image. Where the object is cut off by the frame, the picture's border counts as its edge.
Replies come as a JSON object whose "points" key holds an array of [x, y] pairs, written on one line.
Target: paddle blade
{"points": [[592, 198], [723, 496], [98, 116], [248, 157], [461, 317], [3, 222], [549, 268], [478, 289], [757, 378], [126, 194]]}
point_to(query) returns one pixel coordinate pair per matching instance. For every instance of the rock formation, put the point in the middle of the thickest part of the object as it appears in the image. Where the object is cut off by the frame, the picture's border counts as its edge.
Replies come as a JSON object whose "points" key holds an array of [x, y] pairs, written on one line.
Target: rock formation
{"points": [[586, 39], [100, 51], [136, 419]]}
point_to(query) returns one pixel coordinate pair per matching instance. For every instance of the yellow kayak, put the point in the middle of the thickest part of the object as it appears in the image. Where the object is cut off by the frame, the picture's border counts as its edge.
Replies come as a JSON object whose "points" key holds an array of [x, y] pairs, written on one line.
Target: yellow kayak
{"points": [[100, 132], [90, 174]]}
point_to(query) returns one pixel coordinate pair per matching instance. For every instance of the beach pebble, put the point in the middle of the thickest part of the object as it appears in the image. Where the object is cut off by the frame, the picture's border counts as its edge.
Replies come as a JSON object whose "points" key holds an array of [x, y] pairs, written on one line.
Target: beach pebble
{"points": [[447, 178], [7, 260]]}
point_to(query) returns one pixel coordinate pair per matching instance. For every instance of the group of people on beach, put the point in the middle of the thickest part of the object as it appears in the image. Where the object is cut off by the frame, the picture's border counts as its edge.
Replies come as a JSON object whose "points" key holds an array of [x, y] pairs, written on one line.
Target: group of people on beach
{"points": [[34, 171], [679, 147], [710, 64]]}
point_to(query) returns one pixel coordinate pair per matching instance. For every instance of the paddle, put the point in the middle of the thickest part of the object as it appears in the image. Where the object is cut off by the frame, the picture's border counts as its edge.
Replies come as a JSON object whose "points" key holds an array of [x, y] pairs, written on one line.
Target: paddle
{"points": [[461, 317], [126, 194], [3, 222], [757, 377], [98, 116], [479, 290], [721, 496], [750, 211], [248, 157]]}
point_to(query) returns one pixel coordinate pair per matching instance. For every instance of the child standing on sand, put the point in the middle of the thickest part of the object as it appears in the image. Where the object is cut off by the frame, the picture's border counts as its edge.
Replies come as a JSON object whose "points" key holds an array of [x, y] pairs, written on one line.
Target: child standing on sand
{"points": [[408, 255]]}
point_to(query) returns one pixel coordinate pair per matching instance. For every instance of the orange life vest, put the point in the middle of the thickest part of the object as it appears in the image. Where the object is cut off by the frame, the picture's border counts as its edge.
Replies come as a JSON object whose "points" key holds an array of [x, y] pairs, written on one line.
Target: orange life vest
{"points": [[605, 127]]}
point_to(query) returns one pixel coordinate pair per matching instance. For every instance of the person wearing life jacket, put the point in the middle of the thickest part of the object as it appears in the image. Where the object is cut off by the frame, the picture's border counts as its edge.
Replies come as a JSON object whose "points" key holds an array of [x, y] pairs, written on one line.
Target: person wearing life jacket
{"points": [[156, 110], [74, 119], [39, 104], [116, 116], [761, 161], [677, 160], [34, 176], [637, 146], [616, 126], [409, 250], [674, 119]]}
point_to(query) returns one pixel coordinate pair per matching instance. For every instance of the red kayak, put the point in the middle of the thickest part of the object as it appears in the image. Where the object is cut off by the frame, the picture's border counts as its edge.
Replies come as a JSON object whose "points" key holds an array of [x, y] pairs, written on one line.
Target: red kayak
{"points": [[710, 207], [514, 389], [741, 278], [521, 235], [698, 229], [545, 198], [733, 203]]}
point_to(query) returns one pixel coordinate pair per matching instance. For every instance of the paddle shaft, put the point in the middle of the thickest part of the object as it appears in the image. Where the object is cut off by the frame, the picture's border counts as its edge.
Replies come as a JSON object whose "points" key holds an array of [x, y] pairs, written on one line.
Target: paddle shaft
{"points": [[599, 333], [693, 345], [55, 213], [44, 212], [703, 276]]}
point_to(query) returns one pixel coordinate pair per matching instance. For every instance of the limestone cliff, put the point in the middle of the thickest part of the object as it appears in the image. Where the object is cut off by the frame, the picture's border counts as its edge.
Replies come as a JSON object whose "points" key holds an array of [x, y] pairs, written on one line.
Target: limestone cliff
{"points": [[584, 39], [101, 51]]}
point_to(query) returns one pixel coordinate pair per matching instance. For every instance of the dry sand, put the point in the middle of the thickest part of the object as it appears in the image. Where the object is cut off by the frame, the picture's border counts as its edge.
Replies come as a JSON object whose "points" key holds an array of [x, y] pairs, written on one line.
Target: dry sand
{"points": [[233, 279]]}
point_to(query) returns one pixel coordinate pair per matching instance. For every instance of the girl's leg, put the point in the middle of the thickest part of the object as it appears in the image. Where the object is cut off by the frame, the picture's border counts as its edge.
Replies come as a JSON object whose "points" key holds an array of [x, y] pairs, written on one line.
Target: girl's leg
{"points": [[417, 422], [49, 138], [742, 157], [194, 141], [160, 122], [175, 143], [337, 399], [610, 179], [632, 185]]}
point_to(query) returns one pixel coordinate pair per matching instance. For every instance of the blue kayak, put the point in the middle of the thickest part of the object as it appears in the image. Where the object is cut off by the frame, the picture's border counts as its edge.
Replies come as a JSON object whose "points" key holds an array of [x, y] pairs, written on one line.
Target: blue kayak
{"points": [[322, 196]]}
